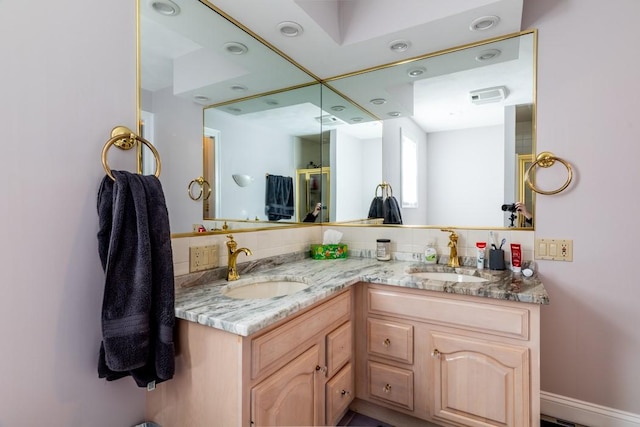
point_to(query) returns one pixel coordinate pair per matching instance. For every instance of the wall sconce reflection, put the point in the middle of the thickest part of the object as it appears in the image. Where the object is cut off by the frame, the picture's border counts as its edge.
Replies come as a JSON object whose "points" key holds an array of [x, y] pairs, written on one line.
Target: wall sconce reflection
{"points": [[242, 180]]}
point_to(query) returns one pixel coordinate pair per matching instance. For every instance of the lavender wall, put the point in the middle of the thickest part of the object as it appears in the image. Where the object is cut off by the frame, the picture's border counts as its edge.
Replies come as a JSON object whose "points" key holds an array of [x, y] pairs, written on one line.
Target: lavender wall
{"points": [[588, 106], [68, 74]]}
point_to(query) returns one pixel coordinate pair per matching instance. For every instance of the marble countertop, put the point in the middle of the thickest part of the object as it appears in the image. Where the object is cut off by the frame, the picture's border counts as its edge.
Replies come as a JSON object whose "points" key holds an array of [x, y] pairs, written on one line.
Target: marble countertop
{"points": [[206, 304]]}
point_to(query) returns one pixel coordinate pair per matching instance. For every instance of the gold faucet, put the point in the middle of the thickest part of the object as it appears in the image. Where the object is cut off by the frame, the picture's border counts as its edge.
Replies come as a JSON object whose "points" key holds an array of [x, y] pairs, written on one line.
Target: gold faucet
{"points": [[453, 245], [232, 270]]}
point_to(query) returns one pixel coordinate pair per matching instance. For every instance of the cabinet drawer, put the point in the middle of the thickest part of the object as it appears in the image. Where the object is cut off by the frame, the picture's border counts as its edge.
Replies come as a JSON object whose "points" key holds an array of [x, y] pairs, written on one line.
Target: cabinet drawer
{"points": [[390, 339], [391, 384], [279, 346], [477, 315], [339, 347], [340, 393]]}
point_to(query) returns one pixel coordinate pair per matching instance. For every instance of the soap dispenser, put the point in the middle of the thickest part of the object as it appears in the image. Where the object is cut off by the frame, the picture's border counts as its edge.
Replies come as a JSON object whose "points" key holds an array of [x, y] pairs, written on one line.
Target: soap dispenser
{"points": [[430, 253]]}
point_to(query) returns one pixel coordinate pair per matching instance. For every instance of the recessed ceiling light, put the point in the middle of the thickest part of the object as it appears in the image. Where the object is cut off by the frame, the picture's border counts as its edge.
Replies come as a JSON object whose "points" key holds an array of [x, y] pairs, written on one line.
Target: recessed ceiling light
{"points": [[356, 119], [201, 98], [484, 23], [488, 54], [234, 109], [338, 108], [239, 88], [378, 101], [417, 71], [271, 102], [165, 7], [399, 45], [290, 29], [236, 48], [394, 114]]}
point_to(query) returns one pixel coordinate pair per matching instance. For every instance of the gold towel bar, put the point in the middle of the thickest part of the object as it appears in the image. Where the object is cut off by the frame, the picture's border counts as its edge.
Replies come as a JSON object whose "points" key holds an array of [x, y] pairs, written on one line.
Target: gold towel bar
{"points": [[547, 159], [124, 139]]}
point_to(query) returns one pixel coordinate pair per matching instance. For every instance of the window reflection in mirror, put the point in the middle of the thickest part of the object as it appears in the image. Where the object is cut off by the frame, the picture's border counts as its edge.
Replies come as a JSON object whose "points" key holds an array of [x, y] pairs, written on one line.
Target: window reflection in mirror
{"points": [[409, 170]]}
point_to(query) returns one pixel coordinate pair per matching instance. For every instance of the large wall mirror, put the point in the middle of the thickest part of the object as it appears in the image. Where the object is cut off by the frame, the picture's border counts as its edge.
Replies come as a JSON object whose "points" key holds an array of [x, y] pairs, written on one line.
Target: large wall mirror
{"points": [[469, 114], [191, 57], [217, 112]]}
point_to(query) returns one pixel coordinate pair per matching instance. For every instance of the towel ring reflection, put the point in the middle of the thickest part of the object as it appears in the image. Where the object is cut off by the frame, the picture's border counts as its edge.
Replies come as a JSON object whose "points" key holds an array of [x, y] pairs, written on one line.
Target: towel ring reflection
{"points": [[124, 139], [385, 190], [202, 183], [545, 160]]}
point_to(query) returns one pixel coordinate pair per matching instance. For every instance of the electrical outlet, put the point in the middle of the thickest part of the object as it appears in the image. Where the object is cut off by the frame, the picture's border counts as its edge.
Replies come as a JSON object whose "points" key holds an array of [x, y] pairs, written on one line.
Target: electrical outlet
{"points": [[202, 258], [554, 249]]}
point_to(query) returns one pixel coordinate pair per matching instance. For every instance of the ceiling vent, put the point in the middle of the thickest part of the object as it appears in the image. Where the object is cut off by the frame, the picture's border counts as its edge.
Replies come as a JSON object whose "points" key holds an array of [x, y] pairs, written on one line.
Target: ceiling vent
{"points": [[329, 120], [490, 94]]}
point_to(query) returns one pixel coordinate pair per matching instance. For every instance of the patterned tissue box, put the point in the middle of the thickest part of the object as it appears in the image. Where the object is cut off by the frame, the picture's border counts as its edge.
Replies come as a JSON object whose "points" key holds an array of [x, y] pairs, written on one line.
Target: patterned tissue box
{"points": [[328, 251]]}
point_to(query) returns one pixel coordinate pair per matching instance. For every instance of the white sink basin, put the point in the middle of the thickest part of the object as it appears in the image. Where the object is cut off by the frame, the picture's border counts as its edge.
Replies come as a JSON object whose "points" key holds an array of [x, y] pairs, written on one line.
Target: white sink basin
{"points": [[447, 277], [260, 288]]}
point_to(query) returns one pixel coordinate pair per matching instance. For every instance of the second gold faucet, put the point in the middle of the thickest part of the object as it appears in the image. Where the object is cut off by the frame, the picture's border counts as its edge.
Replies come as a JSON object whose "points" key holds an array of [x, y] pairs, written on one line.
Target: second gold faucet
{"points": [[453, 248], [232, 269]]}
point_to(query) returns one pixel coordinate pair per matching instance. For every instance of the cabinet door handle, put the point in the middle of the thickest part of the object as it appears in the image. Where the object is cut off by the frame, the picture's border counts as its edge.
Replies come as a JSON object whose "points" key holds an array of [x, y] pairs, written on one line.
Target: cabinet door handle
{"points": [[436, 354], [344, 392], [387, 388], [322, 369], [387, 342]]}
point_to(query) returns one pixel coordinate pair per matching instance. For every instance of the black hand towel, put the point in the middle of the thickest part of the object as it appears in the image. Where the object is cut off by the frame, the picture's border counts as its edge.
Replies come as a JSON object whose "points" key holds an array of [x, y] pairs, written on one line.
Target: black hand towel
{"points": [[279, 197], [134, 243], [375, 209], [391, 210]]}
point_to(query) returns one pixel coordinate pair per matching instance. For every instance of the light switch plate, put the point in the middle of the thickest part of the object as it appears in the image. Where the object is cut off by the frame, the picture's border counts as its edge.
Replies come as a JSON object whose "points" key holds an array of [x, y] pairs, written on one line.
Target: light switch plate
{"points": [[554, 249], [202, 258]]}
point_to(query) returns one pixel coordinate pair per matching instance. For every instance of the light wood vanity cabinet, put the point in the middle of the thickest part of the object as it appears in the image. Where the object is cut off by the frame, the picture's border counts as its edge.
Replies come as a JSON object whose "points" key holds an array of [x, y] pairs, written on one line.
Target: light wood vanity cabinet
{"points": [[449, 359], [289, 397], [298, 372]]}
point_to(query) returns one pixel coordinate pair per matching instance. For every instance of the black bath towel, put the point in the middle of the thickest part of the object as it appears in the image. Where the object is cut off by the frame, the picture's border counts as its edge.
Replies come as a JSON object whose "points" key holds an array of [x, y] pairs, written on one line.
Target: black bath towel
{"points": [[138, 314], [279, 197]]}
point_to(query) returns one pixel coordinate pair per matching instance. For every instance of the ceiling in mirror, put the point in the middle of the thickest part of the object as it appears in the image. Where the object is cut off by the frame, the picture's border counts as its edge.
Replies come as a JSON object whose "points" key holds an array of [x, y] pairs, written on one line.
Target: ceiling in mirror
{"points": [[357, 34], [206, 58], [461, 89]]}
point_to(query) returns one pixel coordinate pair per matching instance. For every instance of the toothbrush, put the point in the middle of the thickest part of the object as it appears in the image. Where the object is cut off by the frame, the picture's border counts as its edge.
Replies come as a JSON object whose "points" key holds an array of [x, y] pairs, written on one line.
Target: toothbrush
{"points": [[492, 237]]}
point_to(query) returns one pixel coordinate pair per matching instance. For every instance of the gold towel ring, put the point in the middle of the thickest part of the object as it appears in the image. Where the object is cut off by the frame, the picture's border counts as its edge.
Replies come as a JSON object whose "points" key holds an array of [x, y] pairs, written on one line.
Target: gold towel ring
{"points": [[547, 159], [202, 182], [124, 139]]}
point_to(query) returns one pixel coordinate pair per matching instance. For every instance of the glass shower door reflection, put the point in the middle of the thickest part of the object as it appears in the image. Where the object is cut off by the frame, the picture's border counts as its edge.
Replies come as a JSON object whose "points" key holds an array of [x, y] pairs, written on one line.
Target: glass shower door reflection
{"points": [[312, 188]]}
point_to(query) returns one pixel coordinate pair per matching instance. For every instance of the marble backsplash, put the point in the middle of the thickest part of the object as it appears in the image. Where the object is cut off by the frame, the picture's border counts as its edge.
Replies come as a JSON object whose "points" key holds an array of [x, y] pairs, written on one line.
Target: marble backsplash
{"points": [[276, 246]]}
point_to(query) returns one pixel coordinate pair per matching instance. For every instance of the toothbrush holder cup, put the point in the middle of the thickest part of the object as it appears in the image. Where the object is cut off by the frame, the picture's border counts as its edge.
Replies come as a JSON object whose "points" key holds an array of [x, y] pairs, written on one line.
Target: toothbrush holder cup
{"points": [[496, 259]]}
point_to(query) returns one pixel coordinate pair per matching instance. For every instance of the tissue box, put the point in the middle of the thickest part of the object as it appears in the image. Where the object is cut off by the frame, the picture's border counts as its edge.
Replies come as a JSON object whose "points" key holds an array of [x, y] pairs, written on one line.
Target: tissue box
{"points": [[328, 251]]}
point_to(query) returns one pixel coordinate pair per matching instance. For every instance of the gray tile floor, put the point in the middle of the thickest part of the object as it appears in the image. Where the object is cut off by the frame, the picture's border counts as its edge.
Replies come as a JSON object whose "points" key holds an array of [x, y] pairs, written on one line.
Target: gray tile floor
{"points": [[358, 420], [354, 419]]}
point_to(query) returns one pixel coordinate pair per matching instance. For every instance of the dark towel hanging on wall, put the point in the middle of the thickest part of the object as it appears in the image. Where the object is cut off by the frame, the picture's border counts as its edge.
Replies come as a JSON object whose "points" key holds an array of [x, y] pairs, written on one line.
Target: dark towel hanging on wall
{"points": [[375, 210], [138, 314], [385, 206], [391, 211], [279, 197]]}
